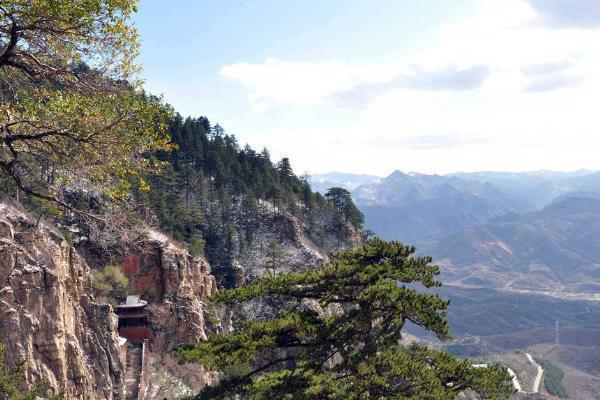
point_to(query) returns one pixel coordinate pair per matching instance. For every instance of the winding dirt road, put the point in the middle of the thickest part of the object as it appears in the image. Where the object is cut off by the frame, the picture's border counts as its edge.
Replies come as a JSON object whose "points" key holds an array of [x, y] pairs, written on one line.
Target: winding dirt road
{"points": [[540, 373], [515, 380], [513, 376]]}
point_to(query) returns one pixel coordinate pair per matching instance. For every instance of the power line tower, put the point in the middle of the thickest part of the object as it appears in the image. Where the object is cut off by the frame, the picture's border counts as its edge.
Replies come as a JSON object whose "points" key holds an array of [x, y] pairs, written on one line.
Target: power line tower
{"points": [[556, 335]]}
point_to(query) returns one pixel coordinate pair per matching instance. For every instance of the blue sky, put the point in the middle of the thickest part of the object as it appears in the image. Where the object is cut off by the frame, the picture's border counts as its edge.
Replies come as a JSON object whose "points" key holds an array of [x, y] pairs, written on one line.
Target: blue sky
{"points": [[373, 86]]}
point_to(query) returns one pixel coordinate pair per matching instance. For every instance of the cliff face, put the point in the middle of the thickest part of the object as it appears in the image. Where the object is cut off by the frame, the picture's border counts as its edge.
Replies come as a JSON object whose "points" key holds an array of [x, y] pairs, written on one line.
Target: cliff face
{"points": [[280, 242], [48, 318], [176, 286]]}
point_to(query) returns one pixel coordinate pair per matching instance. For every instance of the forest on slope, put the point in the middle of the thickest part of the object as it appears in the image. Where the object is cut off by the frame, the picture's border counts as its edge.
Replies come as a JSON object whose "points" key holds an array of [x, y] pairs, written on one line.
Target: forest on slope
{"points": [[211, 195]]}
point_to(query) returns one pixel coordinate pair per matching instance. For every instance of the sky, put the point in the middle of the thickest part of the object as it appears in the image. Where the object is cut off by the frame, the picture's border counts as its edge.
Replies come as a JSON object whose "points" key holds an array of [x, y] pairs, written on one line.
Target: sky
{"points": [[373, 86]]}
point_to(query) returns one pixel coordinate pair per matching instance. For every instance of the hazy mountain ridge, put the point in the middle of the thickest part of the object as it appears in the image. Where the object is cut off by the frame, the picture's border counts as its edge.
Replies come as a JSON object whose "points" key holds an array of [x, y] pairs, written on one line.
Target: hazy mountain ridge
{"points": [[533, 231], [411, 207], [557, 248], [539, 187], [535, 188], [399, 188]]}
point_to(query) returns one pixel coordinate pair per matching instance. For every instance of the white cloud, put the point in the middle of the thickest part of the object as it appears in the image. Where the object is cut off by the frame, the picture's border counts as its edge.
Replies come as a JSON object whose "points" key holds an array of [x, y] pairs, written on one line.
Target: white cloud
{"points": [[303, 83], [317, 83], [526, 91], [551, 82], [546, 68]]}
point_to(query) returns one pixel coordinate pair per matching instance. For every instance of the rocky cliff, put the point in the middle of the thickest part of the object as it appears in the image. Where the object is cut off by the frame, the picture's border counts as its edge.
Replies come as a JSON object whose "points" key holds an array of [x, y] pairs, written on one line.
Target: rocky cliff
{"points": [[281, 242], [48, 317], [50, 320], [176, 285]]}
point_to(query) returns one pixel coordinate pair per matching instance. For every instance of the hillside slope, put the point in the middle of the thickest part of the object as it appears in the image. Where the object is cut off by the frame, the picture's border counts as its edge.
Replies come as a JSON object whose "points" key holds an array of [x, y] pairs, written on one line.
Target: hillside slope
{"points": [[555, 249], [234, 205]]}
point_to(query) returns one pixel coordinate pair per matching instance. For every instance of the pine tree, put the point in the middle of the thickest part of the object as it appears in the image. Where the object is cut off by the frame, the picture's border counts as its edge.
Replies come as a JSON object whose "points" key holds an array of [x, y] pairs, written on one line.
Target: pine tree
{"points": [[275, 256], [353, 214], [342, 202], [284, 169], [335, 335], [11, 383], [338, 197]]}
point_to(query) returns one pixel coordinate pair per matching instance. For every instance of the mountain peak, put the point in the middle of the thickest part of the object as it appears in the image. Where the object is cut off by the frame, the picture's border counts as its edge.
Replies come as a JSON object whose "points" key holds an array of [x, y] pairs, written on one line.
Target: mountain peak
{"points": [[397, 173]]}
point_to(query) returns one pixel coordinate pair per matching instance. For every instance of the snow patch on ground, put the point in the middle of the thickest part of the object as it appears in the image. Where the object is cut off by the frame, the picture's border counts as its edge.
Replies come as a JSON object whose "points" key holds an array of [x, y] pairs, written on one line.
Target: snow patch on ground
{"points": [[156, 235]]}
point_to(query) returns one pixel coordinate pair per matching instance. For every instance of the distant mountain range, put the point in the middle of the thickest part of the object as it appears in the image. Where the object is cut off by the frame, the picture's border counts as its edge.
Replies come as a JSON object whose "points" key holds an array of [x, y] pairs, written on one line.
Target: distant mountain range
{"points": [[556, 249], [539, 187], [411, 207], [537, 231]]}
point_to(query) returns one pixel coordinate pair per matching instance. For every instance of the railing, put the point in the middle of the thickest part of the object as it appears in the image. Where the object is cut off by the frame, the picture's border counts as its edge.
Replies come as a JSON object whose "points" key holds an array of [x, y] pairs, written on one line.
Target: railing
{"points": [[142, 384]]}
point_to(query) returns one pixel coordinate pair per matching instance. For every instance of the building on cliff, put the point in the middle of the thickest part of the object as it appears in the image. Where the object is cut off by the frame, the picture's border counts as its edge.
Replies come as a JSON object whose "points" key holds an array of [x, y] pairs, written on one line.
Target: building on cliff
{"points": [[133, 319]]}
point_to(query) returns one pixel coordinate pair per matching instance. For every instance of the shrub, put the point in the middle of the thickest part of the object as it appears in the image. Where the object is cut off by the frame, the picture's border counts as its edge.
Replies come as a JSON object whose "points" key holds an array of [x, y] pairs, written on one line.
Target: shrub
{"points": [[553, 377], [110, 283], [196, 246]]}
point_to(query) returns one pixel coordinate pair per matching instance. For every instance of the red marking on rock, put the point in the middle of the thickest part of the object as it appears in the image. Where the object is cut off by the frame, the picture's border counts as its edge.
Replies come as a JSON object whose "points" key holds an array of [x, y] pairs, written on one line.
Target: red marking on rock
{"points": [[130, 265]]}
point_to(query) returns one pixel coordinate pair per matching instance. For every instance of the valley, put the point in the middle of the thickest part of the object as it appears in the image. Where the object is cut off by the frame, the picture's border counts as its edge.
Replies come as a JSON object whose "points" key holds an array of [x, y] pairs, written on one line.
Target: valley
{"points": [[527, 233], [519, 253], [498, 326]]}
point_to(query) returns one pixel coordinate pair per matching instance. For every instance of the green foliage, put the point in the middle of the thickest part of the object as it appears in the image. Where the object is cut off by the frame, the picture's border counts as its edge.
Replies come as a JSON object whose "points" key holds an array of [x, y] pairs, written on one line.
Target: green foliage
{"points": [[335, 333], [53, 38], [110, 283], [67, 235], [196, 246], [65, 124], [211, 189], [44, 208], [342, 201], [553, 377], [275, 256], [214, 164], [211, 314], [12, 382]]}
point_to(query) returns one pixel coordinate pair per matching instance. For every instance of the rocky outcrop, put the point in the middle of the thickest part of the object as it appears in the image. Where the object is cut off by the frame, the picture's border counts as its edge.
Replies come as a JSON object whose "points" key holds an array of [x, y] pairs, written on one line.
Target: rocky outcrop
{"points": [[50, 320], [176, 287], [170, 379], [284, 243], [48, 317], [249, 238]]}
